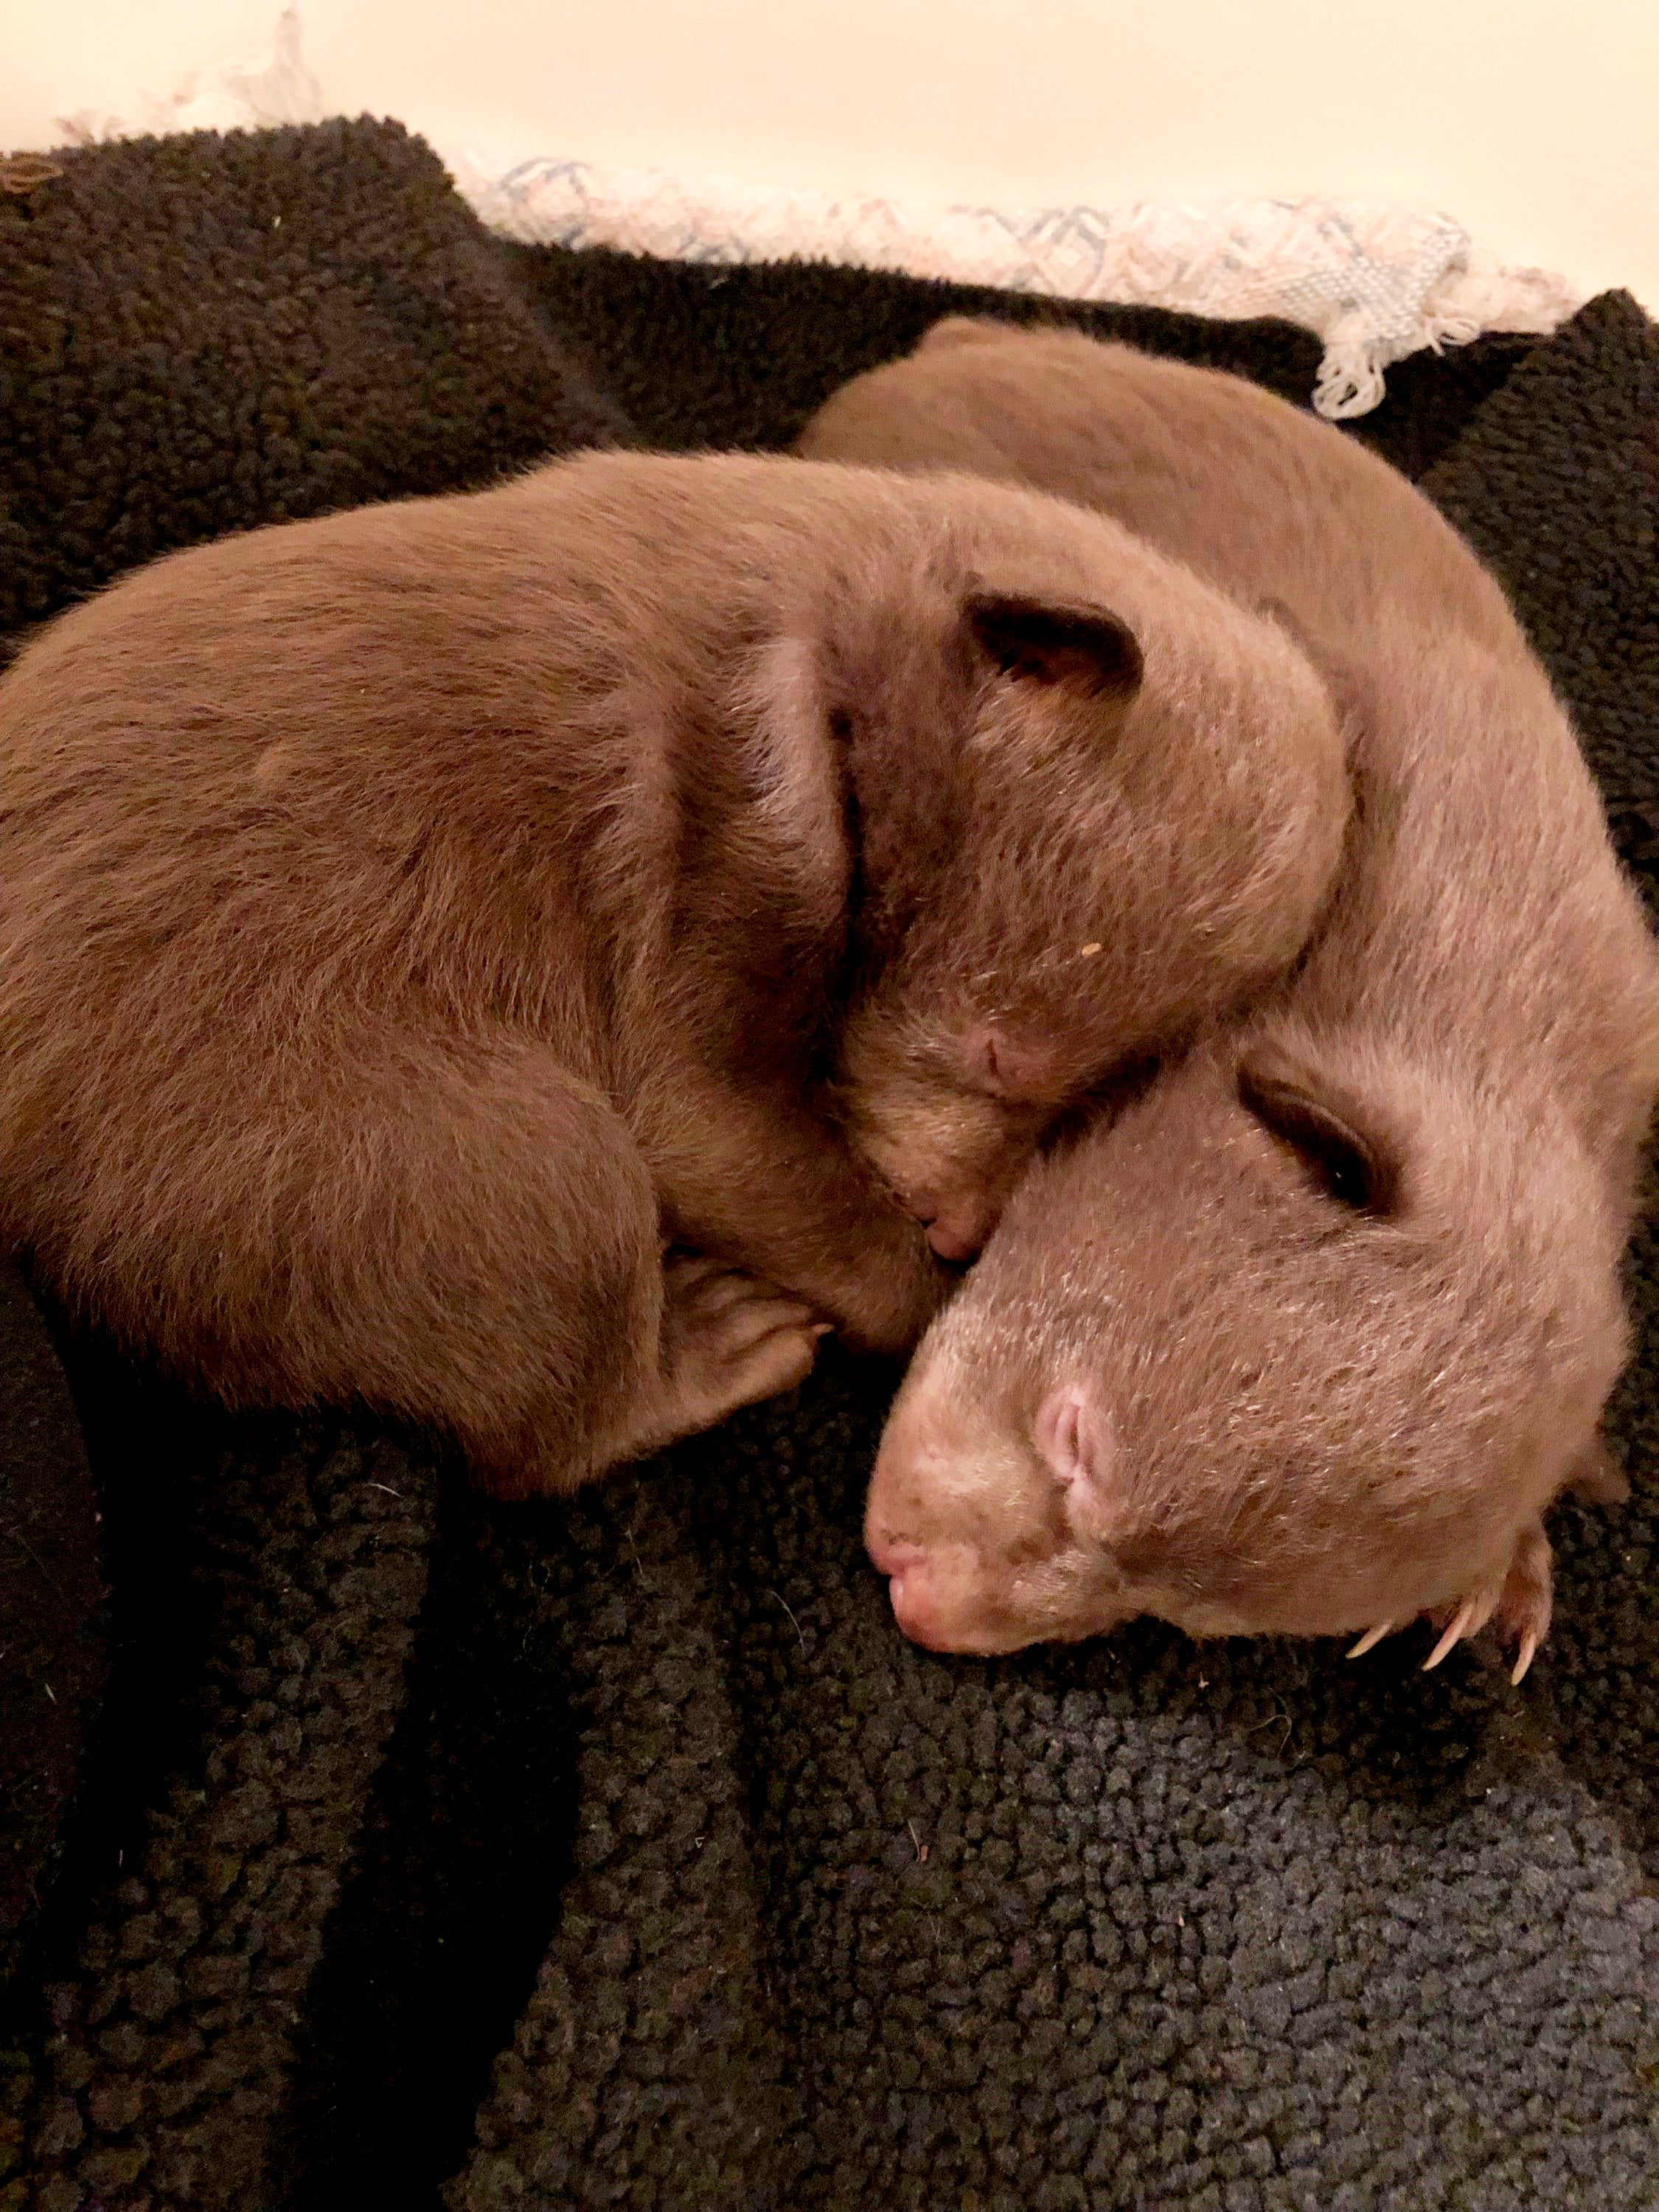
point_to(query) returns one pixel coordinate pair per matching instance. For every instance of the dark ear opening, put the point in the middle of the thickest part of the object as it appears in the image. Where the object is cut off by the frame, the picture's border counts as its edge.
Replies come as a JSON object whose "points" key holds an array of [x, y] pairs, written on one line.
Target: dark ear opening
{"points": [[1358, 1170], [1046, 641]]}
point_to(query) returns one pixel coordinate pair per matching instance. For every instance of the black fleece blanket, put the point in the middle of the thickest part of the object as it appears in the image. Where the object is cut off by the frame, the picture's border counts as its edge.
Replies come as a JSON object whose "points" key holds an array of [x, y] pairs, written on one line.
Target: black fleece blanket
{"points": [[619, 1852]]}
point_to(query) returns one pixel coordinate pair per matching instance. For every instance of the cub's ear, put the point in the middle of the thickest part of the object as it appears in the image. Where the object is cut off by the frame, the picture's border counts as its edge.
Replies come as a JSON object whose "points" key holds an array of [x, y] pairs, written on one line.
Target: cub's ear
{"points": [[1051, 642], [963, 330], [1074, 1433]]}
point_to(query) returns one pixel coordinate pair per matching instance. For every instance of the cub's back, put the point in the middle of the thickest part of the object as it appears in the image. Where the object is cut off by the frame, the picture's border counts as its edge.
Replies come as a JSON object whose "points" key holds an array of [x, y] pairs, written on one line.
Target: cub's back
{"points": [[1257, 495]]}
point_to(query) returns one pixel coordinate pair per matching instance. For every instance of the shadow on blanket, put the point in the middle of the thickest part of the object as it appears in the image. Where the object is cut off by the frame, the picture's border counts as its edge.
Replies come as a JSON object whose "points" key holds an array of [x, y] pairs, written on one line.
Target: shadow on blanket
{"points": [[619, 1853]]}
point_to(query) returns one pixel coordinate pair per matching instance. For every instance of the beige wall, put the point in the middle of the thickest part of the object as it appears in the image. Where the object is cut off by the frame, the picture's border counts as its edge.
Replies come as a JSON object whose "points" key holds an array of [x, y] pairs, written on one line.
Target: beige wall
{"points": [[1534, 122]]}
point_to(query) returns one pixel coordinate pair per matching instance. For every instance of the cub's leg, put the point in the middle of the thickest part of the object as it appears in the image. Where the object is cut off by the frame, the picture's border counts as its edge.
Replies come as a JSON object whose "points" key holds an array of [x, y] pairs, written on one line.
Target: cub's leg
{"points": [[780, 1193], [464, 1234]]}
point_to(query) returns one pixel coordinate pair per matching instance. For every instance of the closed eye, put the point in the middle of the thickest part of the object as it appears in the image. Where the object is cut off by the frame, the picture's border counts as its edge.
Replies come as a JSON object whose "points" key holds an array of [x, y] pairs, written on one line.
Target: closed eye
{"points": [[841, 734], [1347, 1166]]}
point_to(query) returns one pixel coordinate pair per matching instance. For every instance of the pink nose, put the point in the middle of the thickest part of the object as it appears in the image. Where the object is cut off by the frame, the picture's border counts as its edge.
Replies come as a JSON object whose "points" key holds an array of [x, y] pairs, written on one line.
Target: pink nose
{"points": [[910, 1594], [891, 1555], [950, 1244], [909, 1590]]}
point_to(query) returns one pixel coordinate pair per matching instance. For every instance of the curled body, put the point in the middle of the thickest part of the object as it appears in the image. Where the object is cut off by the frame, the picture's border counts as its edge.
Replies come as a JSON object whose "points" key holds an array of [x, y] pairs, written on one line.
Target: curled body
{"points": [[1307, 1337], [518, 959]]}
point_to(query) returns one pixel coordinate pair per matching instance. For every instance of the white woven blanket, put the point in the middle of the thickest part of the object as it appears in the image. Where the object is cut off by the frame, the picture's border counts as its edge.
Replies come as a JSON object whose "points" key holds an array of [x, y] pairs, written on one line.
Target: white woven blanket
{"points": [[1375, 281]]}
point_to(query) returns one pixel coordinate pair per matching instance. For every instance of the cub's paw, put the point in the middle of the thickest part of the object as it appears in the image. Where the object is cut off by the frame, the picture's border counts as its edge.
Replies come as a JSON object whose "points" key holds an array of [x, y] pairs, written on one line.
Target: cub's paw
{"points": [[730, 1338], [1522, 1613], [1518, 1608]]}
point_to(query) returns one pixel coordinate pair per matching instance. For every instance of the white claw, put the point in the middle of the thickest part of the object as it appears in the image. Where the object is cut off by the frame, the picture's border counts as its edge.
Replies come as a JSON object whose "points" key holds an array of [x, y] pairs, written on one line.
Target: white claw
{"points": [[1369, 1640], [1454, 1634], [1528, 1653]]}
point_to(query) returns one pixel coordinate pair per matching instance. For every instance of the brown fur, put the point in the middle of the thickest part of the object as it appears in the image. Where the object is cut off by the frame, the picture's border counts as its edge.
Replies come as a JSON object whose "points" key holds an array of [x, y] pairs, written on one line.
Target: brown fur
{"points": [[414, 921], [1308, 1337]]}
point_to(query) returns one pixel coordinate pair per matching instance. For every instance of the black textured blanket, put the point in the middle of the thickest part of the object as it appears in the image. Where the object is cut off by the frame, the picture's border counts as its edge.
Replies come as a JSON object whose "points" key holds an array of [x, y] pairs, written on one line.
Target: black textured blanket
{"points": [[427, 1853]]}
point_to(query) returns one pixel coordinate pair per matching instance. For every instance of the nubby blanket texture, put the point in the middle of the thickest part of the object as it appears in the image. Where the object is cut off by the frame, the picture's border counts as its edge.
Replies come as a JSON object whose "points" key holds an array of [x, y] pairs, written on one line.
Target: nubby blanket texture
{"points": [[619, 1852]]}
